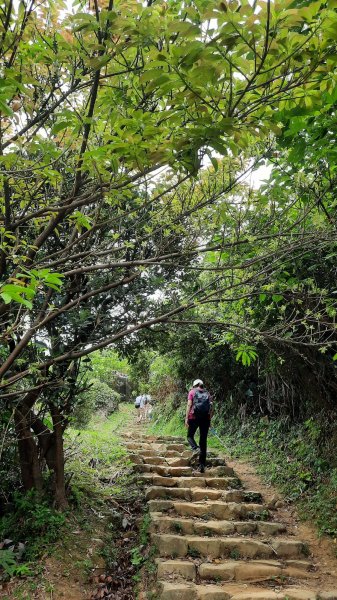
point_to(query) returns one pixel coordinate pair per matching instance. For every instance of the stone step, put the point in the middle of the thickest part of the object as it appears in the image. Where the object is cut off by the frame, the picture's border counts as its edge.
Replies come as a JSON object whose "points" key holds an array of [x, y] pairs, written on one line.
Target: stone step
{"points": [[165, 524], [253, 571], [139, 446], [174, 471], [169, 438], [196, 494], [189, 591], [154, 460], [233, 570], [221, 483], [210, 510], [146, 452], [174, 453], [178, 461], [222, 547]]}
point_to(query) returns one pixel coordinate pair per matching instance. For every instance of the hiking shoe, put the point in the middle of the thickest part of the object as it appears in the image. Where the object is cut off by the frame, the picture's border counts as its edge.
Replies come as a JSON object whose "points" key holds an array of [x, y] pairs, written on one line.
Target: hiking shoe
{"points": [[201, 469]]}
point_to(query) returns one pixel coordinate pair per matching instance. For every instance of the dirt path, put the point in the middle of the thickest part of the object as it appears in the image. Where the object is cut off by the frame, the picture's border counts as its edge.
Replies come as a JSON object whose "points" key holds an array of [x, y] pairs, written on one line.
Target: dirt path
{"points": [[223, 535], [323, 551]]}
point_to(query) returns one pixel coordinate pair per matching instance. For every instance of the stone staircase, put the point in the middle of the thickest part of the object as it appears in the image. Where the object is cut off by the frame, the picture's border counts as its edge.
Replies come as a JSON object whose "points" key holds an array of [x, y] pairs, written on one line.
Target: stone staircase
{"points": [[214, 539]]}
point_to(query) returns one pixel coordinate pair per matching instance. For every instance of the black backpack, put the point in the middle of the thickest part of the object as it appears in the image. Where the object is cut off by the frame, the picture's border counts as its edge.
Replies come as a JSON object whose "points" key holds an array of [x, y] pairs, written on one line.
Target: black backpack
{"points": [[201, 403]]}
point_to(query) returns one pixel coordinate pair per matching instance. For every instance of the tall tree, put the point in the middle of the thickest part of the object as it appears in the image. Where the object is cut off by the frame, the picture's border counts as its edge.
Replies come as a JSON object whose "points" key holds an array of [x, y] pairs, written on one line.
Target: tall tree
{"points": [[94, 105]]}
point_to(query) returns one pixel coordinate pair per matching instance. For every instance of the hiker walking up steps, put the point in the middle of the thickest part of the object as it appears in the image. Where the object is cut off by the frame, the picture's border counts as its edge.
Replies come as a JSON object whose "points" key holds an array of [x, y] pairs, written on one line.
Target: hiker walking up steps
{"points": [[198, 415]]}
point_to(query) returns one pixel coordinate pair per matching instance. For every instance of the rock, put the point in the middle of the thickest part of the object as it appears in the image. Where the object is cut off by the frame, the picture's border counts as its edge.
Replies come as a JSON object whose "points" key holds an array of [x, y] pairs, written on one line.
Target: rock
{"points": [[269, 529], [183, 568], [272, 501], [176, 591], [288, 548]]}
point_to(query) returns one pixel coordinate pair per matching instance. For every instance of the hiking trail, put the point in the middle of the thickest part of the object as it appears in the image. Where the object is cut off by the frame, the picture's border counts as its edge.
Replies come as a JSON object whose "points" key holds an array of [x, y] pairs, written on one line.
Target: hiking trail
{"points": [[215, 539]]}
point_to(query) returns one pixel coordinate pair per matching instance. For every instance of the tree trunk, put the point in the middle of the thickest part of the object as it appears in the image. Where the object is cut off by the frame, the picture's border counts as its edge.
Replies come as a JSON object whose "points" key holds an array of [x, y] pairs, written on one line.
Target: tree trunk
{"points": [[51, 450], [58, 451], [30, 466]]}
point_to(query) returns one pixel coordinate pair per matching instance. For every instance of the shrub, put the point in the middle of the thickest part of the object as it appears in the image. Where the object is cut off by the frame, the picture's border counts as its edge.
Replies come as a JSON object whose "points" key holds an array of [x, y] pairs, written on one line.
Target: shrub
{"points": [[31, 521], [98, 397]]}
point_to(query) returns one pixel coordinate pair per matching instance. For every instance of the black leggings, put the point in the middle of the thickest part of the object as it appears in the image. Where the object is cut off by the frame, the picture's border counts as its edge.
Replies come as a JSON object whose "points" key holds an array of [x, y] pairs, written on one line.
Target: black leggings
{"points": [[203, 425]]}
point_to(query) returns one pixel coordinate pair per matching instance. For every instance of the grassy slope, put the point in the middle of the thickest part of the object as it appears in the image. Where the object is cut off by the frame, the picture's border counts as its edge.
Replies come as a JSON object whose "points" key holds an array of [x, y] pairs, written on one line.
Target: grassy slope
{"points": [[65, 549]]}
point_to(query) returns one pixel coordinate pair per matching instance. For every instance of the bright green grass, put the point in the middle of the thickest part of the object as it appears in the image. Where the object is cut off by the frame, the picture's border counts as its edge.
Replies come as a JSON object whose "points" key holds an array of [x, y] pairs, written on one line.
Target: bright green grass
{"points": [[175, 426], [96, 454]]}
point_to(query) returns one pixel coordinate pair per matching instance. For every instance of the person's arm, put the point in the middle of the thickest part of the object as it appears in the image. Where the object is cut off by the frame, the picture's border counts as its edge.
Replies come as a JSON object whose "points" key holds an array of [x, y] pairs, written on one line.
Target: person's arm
{"points": [[188, 407], [211, 408]]}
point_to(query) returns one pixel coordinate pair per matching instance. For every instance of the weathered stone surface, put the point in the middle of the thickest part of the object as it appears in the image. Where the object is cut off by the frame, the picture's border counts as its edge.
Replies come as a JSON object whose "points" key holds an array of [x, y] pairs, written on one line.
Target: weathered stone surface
{"points": [[174, 453], [137, 446], [268, 529], [256, 571], [164, 524], [170, 545], [190, 509], [172, 471], [144, 468], [178, 462], [167, 492], [241, 570], [222, 471], [211, 592], [257, 595], [288, 548], [192, 482], [295, 573], [136, 459], [221, 483], [171, 438], [214, 547], [196, 521], [216, 509], [181, 568], [219, 461], [303, 565], [177, 447], [177, 591], [159, 447], [148, 452], [206, 494], [210, 528], [245, 527], [233, 496], [160, 505], [222, 572], [245, 548], [299, 594], [153, 460], [164, 481]]}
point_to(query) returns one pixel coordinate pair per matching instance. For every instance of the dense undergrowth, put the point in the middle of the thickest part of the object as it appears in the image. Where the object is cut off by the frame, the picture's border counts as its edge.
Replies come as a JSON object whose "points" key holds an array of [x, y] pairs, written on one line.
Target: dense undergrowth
{"points": [[297, 458], [83, 538]]}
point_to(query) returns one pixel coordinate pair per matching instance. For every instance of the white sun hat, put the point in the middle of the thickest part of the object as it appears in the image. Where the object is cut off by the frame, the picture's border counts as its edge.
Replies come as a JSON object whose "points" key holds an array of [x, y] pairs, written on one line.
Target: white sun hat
{"points": [[197, 382]]}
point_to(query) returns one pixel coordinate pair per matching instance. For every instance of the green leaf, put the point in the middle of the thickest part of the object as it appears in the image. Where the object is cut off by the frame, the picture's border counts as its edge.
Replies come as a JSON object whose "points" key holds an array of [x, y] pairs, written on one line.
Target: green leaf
{"points": [[60, 126], [5, 109], [215, 163]]}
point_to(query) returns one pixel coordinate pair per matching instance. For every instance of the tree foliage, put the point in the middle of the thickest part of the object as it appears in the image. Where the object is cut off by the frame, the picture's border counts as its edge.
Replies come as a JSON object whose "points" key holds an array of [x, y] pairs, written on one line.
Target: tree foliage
{"points": [[107, 116]]}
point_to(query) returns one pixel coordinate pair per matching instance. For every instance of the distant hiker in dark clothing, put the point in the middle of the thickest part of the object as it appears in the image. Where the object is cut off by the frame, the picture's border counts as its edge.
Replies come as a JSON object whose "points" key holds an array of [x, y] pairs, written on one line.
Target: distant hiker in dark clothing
{"points": [[198, 414]]}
